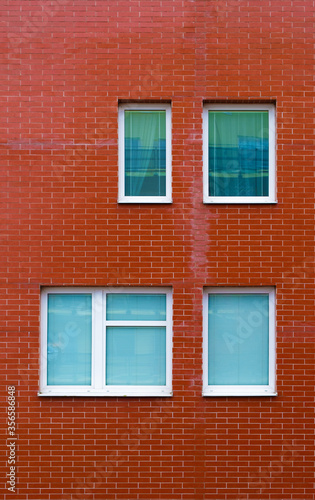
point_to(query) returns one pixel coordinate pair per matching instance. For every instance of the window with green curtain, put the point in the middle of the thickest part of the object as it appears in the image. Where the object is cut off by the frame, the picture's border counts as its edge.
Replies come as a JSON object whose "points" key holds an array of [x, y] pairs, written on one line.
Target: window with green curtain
{"points": [[69, 339], [238, 339], [238, 153], [136, 355], [145, 152]]}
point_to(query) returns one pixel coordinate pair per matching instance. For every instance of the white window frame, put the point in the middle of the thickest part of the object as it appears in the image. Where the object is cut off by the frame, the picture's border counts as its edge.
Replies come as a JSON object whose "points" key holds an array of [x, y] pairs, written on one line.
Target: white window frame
{"points": [[122, 198], [241, 390], [99, 324], [271, 198]]}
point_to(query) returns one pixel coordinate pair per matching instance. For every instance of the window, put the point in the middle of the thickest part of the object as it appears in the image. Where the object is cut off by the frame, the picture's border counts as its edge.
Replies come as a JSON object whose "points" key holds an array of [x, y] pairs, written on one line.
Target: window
{"points": [[113, 342], [239, 342], [145, 153], [239, 153]]}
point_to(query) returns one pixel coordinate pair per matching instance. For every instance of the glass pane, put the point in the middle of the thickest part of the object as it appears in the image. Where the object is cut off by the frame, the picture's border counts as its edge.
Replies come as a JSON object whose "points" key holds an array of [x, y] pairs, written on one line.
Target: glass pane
{"points": [[238, 339], [238, 153], [145, 153], [138, 307], [135, 356], [69, 339]]}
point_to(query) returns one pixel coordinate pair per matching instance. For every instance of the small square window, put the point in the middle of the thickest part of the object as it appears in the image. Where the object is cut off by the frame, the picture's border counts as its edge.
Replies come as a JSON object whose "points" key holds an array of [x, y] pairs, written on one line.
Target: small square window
{"points": [[145, 153], [106, 342], [239, 153], [239, 342]]}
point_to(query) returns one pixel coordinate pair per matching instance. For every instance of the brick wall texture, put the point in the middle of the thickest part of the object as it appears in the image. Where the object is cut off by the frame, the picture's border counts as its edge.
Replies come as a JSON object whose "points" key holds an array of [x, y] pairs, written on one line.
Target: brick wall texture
{"points": [[65, 66]]}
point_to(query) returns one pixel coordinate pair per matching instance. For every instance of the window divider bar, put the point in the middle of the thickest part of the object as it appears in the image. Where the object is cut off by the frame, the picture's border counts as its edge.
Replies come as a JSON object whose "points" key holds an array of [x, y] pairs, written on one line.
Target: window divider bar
{"points": [[131, 323], [98, 347]]}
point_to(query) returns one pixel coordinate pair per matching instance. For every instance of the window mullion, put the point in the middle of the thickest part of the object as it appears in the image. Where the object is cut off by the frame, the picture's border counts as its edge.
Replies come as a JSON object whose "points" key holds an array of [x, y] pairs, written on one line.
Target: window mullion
{"points": [[44, 321], [129, 323], [169, 343], [97, 340]]}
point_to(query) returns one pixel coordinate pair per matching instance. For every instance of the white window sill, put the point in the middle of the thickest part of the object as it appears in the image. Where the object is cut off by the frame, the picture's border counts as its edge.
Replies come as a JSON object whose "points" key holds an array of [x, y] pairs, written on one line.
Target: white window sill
{"points": [[238, 392], [239, 200], [146, 199], [109, 393]]}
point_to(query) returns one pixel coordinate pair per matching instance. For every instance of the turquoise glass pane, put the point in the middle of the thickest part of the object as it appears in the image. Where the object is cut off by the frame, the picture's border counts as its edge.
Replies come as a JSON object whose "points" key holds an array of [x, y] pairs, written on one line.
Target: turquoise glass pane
{"points": [[69, 339], [135, 356], [238, 153], [145, 153], [138, 307], [238, 339]]}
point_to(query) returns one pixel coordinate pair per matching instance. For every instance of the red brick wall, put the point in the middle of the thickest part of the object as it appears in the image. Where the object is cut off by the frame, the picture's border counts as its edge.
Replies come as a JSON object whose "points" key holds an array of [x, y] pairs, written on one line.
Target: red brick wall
{"points": [[65, 66]]}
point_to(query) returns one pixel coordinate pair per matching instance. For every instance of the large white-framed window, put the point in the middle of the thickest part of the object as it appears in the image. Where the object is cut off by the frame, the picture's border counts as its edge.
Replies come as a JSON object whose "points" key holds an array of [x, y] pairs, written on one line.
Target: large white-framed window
{"points": [[239, 355], [239, 153], [145, 153], [106, 342]]}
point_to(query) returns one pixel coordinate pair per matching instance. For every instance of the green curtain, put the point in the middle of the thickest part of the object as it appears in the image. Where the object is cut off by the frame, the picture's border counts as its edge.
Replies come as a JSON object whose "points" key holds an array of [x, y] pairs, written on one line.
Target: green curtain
{"points": [[238, 153], [145, 153]]}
